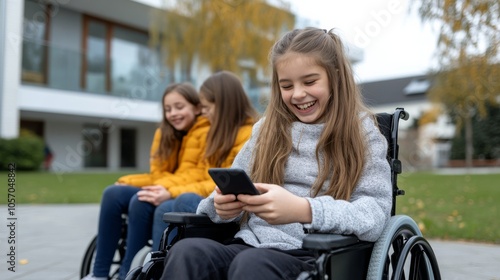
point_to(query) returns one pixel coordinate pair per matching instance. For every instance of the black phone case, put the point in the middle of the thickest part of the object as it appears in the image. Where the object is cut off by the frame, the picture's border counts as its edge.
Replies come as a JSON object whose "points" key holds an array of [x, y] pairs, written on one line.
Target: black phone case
{"points": [[232, 181]]}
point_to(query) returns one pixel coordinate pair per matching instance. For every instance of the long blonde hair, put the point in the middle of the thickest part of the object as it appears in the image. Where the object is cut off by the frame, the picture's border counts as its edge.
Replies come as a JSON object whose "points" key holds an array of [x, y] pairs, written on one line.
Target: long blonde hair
{"points": [[341, 144], [233, 110]]}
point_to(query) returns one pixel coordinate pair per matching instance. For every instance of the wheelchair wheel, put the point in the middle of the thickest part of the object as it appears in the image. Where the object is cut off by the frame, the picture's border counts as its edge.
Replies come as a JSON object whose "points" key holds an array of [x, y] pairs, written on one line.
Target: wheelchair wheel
{"points": [[151, 269], [89, 257], [134, 273], [400, 239]]}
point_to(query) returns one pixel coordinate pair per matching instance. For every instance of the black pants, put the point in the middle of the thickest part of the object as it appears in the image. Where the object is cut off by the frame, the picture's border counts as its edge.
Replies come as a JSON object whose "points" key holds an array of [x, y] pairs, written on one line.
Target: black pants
{"points": [[200, 258]]}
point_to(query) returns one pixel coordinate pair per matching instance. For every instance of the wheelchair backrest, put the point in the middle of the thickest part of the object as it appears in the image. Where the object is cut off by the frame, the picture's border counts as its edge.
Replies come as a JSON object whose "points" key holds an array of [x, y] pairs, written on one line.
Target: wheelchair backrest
{"points": [[388, 125]]}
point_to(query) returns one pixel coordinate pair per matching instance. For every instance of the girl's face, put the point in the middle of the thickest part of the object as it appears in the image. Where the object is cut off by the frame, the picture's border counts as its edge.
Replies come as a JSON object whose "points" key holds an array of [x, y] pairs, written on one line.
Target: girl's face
{"points": [[179, 112], [304, 86], [207, 108]]}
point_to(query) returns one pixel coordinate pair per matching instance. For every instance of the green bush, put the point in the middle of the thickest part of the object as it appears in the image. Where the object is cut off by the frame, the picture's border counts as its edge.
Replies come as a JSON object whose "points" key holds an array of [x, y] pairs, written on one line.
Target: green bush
{"points": [[26, 152]]}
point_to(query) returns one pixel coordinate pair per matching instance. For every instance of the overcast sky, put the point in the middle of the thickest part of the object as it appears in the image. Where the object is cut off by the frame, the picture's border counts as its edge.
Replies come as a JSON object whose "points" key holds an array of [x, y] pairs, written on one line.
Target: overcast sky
{"points": [[394, 41]]}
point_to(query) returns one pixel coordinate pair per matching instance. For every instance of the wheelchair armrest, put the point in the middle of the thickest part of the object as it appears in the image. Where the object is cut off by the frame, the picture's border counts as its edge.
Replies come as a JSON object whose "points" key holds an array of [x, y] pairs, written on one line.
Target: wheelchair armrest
{"points": [[195, 225], [327, 241], [186, 218]]}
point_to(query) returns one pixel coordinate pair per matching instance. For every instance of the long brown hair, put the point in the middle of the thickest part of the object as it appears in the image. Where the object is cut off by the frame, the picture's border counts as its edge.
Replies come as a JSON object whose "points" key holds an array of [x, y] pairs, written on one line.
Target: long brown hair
{"points": [[341, 146], [232, 110], [171, 137]]}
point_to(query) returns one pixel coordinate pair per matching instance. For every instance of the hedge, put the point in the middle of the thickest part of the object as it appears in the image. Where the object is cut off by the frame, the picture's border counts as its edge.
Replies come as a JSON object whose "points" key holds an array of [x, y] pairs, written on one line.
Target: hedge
{"points": [[26, 152]]}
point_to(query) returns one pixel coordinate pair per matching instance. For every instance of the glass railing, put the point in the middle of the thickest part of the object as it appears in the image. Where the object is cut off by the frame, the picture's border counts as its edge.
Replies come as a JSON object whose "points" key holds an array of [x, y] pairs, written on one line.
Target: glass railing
{"points": [[54, 67], [259, 98], [59, 68]]}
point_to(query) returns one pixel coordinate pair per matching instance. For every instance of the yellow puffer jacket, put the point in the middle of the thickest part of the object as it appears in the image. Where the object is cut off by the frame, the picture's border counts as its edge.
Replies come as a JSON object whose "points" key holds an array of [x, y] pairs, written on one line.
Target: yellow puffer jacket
{"points": [[191, 153], [206, 186]]}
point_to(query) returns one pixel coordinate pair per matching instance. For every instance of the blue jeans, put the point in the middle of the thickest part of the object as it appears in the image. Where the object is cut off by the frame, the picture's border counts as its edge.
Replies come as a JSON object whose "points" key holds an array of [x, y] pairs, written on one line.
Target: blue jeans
{"points": [[118, 200], [187, 202]]}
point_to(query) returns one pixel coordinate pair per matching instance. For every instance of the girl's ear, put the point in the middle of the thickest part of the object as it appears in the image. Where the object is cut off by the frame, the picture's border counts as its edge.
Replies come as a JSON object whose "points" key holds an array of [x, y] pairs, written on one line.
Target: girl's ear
{"points": [[197, 110]]}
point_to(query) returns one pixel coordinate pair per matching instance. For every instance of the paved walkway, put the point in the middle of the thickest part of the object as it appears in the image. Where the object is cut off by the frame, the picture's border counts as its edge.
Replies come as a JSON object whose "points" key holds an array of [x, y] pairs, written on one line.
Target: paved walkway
{"points": [[51, 241]]}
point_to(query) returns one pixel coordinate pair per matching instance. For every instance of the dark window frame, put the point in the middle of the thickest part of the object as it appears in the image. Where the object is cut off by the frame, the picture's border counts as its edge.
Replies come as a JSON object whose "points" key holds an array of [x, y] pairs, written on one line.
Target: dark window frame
{"points": [[110, 25], [43, 76]]}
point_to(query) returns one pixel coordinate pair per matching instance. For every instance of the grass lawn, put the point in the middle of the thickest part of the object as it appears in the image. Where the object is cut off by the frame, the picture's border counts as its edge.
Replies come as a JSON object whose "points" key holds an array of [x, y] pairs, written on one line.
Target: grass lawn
{"points": [[454, 207], [45, 188], [457, 207]]}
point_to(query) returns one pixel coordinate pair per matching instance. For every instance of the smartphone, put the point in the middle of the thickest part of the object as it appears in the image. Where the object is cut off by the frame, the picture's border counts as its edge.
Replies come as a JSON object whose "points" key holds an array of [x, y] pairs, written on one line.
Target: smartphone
{"points": [[233, 181]]}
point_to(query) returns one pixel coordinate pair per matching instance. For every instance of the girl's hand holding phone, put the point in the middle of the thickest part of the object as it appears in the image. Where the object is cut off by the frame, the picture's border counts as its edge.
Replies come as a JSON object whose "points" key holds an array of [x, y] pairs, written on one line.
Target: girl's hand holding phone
{"points": [[226, 205], [276, 205]]}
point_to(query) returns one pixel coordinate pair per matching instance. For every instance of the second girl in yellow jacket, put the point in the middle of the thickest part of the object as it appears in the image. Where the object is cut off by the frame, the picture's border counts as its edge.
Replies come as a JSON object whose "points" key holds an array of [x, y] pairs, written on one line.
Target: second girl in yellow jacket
{"points": [[231, 115]]}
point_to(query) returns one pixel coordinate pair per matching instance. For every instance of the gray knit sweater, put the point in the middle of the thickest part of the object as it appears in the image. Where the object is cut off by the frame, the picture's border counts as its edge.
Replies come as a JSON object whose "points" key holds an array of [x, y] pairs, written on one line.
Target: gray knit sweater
{"points": [[365, 215]]}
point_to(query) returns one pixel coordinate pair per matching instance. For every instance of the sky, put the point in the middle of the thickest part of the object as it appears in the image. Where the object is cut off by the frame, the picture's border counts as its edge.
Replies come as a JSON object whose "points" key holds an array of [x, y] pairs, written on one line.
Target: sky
{"points": [[394, 41]]}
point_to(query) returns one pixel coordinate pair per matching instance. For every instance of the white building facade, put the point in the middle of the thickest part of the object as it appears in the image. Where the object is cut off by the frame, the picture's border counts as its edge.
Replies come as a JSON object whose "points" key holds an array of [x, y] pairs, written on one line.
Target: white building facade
{"points": [[80, 75]]}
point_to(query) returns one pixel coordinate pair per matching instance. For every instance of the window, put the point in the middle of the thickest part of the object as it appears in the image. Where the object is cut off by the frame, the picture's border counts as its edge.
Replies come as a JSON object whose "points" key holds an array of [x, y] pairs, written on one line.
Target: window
{"points": [[417, 86], [35, 127], [96, 74], [118, 61], [127, 147], [35, 37], [95, 139]]}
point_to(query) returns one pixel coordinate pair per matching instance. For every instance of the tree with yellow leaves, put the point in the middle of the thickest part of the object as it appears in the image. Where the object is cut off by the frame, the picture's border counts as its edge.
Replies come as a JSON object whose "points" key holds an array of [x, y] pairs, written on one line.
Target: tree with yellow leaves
{"points": [[220, 34], [468, 49]]}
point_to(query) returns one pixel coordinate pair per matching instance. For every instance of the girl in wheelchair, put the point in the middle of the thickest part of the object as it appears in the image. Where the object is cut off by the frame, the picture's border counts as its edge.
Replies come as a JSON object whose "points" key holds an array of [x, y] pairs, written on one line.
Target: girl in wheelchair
{"points": [[181, 126], [318, 161]]}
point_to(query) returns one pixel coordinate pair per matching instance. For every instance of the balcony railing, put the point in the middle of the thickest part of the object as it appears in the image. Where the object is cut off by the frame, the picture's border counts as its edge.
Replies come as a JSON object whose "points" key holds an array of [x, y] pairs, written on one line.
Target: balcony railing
{"points": [[60, 68], [51, 66]]}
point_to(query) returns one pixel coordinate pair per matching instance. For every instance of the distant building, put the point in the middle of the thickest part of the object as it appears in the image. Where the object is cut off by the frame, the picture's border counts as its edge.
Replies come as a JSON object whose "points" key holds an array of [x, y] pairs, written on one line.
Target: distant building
{"points": [[428, 147], [80, 74]]}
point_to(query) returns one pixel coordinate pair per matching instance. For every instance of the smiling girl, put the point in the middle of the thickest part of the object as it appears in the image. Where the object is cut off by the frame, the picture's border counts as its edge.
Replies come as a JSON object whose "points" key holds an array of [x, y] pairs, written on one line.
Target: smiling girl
{"points": [[318, 160]]}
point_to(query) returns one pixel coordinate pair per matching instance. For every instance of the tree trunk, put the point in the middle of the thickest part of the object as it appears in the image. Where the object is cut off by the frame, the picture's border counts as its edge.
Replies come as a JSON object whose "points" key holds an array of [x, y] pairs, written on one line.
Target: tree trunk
{"points": [[469, 148], [189, 67]]}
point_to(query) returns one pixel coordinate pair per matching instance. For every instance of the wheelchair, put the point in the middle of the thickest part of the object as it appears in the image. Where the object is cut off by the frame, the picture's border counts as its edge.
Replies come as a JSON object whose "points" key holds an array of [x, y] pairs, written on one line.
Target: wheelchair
{"points": [[401, 252], [89, 256]]}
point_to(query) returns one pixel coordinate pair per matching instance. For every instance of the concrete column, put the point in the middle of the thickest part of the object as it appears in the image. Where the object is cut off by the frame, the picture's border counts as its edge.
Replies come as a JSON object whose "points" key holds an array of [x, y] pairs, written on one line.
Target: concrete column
{"points": [[114, 149], [11, 23]]}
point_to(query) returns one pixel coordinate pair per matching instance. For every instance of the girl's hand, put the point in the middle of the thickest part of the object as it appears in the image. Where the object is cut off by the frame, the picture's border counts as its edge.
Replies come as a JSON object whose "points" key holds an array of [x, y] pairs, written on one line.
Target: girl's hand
{"points": [[153, 194], [227, 206], [276, 205]]}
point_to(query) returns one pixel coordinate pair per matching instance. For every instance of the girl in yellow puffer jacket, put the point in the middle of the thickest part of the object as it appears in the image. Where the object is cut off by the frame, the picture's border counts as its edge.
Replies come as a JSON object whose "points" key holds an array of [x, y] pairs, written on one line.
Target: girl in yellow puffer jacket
{"points": [[178, 148]]}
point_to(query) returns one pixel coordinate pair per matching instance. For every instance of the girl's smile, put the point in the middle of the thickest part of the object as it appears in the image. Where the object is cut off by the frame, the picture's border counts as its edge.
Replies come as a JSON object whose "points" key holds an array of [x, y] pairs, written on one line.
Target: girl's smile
{"points": [[304, 86], [304, 107], [179, 112]]}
